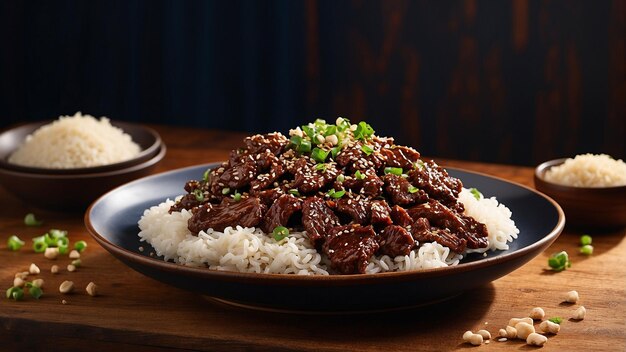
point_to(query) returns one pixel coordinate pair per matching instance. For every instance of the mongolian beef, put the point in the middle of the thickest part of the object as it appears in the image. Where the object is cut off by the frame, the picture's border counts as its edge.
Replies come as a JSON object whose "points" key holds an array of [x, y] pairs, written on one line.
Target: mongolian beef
{"points": [[354, 194]]}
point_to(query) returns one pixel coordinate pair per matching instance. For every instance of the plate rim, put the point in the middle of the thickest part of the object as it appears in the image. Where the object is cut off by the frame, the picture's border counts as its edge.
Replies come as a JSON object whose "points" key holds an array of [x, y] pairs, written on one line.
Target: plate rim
{"points": [[330, 280]]}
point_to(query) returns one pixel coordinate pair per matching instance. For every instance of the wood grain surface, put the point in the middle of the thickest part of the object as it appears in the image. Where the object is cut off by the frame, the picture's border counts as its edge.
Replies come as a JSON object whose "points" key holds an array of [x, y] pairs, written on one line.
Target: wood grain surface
{"points": [[136, 313]]}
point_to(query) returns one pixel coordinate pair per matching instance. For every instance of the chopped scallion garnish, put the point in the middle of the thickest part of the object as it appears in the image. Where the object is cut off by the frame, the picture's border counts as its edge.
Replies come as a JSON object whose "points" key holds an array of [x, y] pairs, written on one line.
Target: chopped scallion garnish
{"points": [[393, 170], [31, 220], [556, 320], [205, 176], [39, 244], [359, 175], [476, 193], [80, 246], [419, 165], [319, 155], [341, 178], [15, 293], [294, 192], [199, 194], [225, 190], [320, 167], [413, 189], [338, 194], [35, 291], [367, 149], [57, 233], [334, 151], [280, 232], [14, 243], [363, 131], [559, 261], [586, 249], [585, 240], [236, 196]]}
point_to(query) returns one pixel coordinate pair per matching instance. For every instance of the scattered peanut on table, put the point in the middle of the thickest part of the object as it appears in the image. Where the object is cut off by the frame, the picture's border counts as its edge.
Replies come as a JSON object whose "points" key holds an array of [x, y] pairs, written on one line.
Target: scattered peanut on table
{"points": [[579, 314], [537, 313], [66, 287], [549, 327], [34, 269], [536, 339], [571, 297]]}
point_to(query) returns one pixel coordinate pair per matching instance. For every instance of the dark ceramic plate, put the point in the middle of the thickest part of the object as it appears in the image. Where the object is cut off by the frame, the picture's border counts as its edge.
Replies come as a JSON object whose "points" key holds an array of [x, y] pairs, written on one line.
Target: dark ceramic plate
{"points": [[112, 221]]}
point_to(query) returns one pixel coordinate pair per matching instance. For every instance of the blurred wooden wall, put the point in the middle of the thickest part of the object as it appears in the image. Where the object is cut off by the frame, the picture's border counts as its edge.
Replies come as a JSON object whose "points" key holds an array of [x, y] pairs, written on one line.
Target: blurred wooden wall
{"points": [[503, 81]]}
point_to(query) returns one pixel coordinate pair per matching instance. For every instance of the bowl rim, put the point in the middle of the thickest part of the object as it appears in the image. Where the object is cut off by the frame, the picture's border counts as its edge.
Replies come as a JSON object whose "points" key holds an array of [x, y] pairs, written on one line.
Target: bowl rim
{"points": [[145, 154], [542, 168], [330, 280], [132, 168]]}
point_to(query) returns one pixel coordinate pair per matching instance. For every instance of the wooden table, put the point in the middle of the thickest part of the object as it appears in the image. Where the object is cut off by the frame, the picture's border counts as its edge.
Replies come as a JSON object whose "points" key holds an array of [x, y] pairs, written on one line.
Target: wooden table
{"points": [[136, 313]]}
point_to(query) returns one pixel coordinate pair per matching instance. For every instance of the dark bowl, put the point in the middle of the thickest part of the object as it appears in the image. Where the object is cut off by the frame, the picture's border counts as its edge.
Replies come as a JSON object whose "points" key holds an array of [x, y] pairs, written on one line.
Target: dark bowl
{"points": [[112, 221], [585, 207], [72, 191], [148, 140]]}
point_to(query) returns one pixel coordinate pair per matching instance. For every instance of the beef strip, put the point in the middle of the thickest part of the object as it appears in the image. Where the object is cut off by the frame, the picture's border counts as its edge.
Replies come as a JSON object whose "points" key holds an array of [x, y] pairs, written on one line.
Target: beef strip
{"points": [[399, 216], [436, 182], [423, 232], [318, 219], [247, 212], [400, 156], [443, 217], [280, 212], [380, 213], [350, 247], [395, 240], [399, 190]]}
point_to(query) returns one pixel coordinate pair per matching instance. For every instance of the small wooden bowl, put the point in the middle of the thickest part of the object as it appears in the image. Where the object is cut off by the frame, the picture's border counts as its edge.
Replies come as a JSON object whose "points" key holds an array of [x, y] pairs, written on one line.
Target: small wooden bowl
{"points": [[74, 189], [585, 207]]}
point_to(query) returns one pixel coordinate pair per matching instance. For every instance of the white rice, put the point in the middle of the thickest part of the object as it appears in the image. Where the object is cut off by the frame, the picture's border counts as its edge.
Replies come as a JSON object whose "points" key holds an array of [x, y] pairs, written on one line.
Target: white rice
{"points": [[250, 250], [75, 142], [589, 170]]}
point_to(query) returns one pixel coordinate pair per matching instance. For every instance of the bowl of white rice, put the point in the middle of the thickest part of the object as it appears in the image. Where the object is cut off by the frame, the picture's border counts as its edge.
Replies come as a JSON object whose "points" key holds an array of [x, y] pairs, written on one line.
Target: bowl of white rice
{"points": [[67, 163], [591, 189]]}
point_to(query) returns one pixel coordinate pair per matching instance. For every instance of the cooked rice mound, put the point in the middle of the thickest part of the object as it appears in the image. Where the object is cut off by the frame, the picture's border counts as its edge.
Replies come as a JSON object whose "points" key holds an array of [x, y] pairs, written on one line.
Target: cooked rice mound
{"points": [[75, 142], [250, 250], [589, 170]]}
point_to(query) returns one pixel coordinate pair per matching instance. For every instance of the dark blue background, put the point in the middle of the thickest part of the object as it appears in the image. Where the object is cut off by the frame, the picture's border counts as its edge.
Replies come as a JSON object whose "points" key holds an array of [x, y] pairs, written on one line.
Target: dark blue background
{"points": [[501, 81]]}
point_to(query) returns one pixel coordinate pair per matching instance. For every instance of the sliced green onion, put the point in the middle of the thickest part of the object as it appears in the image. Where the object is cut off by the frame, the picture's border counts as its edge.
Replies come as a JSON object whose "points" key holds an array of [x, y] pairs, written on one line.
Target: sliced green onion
{"points": [[280, 232], [295, 140], [80, 246], [320, 167], [62, 242], [586, 249], [199, 194], [393, 170], [304, 147], [35, 291], [236, 196], [50, 241], [57, 233], [76, 262], [338, 194], [413, 189], [330, 130], [16, 293], [225, 190], [419, 165], [63, 249], [559, 261], [334, 151], [476, 193], [39, 244], [341, 178], [205, 175], [367, 149], [14, 243], [342, 124], [363, 131], [359, 175], [556, 320], [310, 131], [31, 220], [319, 155], [585, 240], [294, 192]]}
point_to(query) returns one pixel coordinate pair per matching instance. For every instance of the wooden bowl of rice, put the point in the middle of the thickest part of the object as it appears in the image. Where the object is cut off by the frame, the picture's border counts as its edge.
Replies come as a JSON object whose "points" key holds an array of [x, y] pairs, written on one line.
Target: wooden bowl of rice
{"points": [[67, 187], [591, 189]]}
